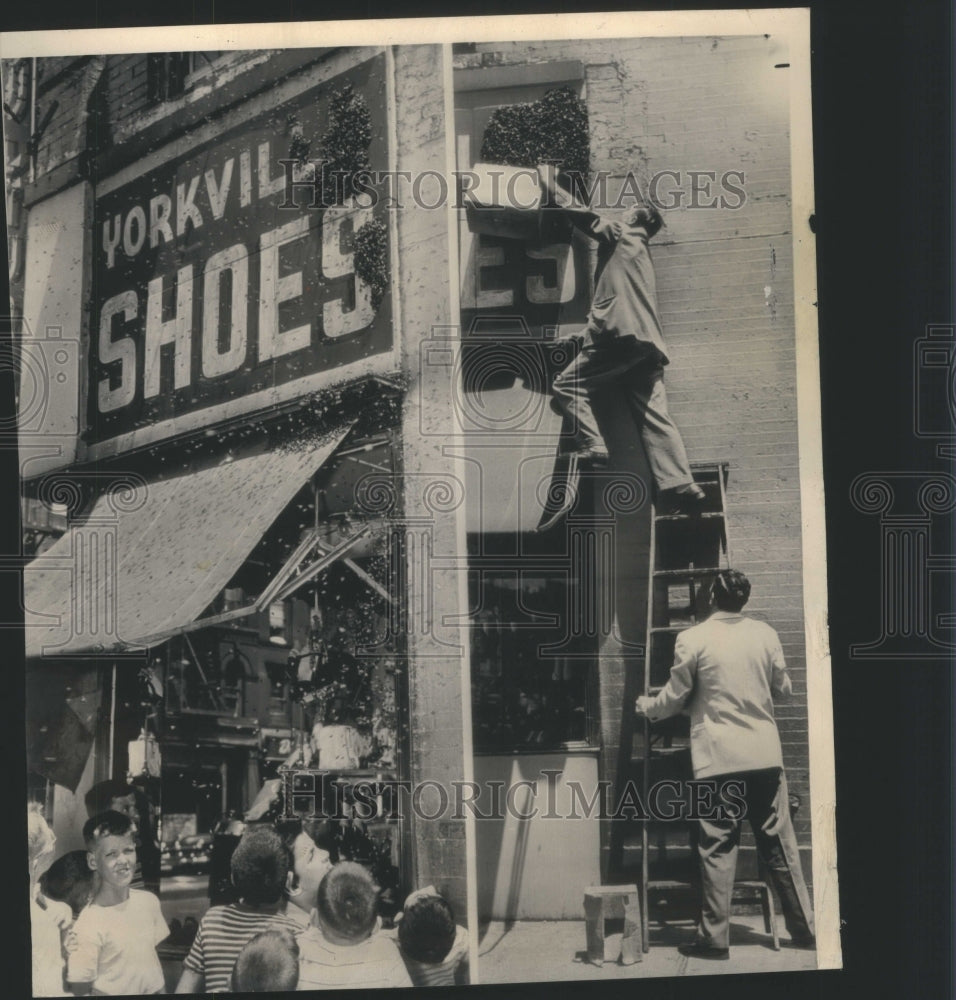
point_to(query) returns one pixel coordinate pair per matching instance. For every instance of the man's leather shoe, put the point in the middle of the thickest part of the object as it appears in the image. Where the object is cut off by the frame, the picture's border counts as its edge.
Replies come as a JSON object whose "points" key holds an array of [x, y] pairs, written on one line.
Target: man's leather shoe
{"points": [[804, 942], [700, 949], [682, 500]]}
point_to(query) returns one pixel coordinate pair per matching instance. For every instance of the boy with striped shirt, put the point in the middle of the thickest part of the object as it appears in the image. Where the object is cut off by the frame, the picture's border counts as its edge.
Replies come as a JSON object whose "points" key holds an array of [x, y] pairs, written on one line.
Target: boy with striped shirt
{"points": [[260, 869]]}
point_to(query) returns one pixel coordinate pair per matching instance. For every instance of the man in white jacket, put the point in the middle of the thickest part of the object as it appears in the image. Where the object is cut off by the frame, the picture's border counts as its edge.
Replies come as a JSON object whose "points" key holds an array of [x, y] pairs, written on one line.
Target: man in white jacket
{"points": [[725, 674]]}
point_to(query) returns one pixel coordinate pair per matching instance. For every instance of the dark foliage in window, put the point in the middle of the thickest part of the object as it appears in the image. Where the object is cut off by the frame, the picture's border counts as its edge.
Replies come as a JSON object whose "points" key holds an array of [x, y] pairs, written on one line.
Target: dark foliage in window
{"points": [[552, 130]]}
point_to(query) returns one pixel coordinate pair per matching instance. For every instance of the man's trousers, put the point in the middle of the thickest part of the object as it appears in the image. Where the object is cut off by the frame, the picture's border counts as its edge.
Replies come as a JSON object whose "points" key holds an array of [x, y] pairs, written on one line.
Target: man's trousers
{"points": [[769, 815], [641, 379]]}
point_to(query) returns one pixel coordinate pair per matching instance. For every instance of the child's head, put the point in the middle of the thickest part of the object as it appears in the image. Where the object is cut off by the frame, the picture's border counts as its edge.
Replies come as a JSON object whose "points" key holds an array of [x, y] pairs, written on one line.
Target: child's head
{"points": [[69, 880], [111, 848], [40, 838], [260, 866], [347, 903], [309, 862], [268, 963], [427, 929]]}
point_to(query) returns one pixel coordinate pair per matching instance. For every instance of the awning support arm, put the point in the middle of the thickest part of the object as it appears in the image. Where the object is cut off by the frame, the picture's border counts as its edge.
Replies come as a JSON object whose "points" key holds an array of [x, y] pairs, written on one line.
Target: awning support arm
{"points": [[202, 673], [369, 580], [289, 567], [282, 587], [329, 556]]}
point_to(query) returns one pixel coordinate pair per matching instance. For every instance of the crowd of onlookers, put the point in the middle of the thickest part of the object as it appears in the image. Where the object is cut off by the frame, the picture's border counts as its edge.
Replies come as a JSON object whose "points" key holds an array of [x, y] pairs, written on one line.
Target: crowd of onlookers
{"points": [[298, 922]]}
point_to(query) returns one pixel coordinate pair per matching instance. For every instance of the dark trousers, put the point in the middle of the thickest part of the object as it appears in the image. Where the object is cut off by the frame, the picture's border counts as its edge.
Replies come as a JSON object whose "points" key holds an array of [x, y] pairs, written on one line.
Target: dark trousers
{"points": [[769, 814], [641, 377]]}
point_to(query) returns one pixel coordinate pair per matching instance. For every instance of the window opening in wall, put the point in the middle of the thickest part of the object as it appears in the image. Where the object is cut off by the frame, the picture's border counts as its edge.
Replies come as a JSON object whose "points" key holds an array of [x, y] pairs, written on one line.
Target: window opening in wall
{"points": [[529, 664], [199, 65], [171, 74]]}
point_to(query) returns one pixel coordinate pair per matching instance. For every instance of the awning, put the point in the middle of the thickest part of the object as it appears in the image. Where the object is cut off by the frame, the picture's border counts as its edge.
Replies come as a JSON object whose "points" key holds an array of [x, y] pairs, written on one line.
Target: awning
{"points": [[147, 561], [509, 451]]}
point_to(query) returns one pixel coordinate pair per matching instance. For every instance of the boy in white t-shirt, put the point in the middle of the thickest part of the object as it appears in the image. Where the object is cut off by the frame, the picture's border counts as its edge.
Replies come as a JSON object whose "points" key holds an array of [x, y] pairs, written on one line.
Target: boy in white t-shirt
{"points": [[117, 934], [344, 949]]}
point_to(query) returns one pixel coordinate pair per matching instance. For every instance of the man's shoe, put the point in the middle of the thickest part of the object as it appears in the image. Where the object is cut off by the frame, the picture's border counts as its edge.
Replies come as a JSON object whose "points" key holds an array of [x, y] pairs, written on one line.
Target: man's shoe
{"points": [[809, 943], [690, 499], [700, 949]]}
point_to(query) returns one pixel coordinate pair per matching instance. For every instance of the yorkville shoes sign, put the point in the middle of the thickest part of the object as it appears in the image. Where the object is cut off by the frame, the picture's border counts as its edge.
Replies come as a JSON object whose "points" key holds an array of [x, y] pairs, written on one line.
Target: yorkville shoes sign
{"points": [[215, 295]]}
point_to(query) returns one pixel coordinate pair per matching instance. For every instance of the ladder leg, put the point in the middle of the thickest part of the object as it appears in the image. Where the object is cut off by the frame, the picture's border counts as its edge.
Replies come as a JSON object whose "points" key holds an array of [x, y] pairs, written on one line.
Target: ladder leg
{"points": [[772, 918], [645, 839]]}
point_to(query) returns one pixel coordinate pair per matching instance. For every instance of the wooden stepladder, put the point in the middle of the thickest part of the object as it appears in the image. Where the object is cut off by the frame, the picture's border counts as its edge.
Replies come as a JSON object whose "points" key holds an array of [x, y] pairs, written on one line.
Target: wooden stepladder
{"points": [[687, 551]]}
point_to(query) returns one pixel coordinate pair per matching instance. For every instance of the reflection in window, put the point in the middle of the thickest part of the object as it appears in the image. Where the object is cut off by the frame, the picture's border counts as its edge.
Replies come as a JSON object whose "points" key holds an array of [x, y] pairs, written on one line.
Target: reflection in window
{"points": [[529, 677]]}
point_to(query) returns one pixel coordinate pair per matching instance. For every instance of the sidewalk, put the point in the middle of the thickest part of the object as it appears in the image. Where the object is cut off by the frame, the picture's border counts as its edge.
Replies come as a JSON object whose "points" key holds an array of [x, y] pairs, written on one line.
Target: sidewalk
{"points": [[554, 950]]}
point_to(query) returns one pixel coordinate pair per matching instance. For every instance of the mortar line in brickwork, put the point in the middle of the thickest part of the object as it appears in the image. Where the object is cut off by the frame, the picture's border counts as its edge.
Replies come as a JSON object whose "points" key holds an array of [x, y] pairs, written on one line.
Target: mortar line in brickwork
{"points": [[724, 239]]}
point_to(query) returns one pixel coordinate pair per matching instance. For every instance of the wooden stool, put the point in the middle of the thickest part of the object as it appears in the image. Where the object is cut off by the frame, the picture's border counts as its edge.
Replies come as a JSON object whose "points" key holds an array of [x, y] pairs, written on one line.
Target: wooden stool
{"points": [[612, 902], [763, 892]]}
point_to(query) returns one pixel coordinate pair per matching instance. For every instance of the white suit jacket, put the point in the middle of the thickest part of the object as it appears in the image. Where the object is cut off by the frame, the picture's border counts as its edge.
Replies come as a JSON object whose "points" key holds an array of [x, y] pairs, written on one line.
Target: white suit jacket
{"points": [[726, 671]]}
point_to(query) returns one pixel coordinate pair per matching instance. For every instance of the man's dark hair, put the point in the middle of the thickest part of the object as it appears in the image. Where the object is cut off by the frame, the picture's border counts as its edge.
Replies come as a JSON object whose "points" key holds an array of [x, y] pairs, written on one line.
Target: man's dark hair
{"points": [[260, 866], [289, 830], [347, 901], [731, 590], [106, 824], [647, 216], [99, 797], [427, 930], [268, 963], [68, 880]]}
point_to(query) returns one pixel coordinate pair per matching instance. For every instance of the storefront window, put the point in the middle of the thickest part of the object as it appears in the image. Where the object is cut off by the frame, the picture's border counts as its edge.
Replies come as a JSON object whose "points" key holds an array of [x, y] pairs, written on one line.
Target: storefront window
{"points": [[204, 679], [278, 690], [529, 670]]}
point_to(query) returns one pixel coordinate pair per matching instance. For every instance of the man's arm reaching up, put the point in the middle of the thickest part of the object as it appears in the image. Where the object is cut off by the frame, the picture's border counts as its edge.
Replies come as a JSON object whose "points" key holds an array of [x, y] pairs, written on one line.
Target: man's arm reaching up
{"points": [[591, 223]]}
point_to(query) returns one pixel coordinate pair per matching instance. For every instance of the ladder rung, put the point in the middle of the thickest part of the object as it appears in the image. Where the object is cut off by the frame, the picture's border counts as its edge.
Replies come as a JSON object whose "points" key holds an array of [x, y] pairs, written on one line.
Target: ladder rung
{"points": [[661, 753], [673, 883], [707, 515], [677, 574]]}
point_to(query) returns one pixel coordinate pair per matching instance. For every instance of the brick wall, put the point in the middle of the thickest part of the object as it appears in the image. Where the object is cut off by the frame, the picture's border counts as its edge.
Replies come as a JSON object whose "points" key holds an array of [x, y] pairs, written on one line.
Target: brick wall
{"points": [[126, 85], [61, 81], [725, 289], [127, 109]]}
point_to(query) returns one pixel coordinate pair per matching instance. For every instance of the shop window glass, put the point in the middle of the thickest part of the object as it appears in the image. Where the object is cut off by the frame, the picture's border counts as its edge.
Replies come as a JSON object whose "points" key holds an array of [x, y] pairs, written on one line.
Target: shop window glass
{"points": [[529, 672], [279, 700]]}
